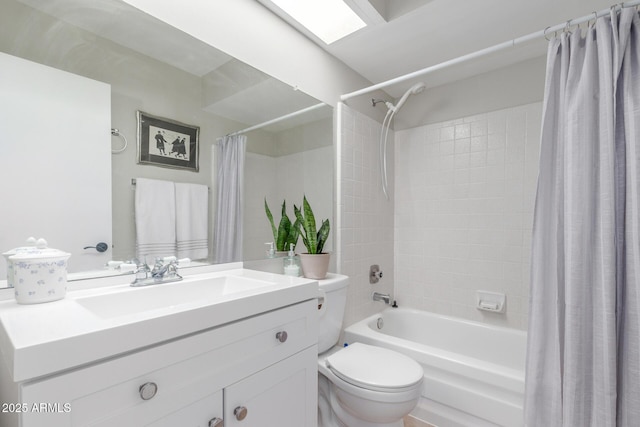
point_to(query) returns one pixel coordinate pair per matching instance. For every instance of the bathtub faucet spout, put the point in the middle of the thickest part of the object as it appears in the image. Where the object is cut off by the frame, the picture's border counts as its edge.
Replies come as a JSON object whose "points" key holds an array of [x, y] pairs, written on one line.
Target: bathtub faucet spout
{"points": [[386, 298]]}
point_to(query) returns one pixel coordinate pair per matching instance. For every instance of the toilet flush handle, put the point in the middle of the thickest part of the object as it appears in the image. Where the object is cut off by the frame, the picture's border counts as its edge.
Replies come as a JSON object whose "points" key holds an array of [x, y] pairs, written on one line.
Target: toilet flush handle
{"points": [[322, 299]]}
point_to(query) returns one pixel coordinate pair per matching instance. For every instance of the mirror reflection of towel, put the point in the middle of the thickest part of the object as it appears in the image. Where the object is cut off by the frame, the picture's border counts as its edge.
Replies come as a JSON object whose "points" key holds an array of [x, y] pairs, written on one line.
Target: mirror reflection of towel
{"points": [[192, 220], [155, 214]]}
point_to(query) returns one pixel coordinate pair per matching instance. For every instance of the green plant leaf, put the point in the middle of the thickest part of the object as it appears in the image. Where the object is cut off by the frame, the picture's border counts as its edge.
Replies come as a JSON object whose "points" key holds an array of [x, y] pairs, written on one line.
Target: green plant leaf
{"points": [[301, 228], [283, 233], [270, 217], [306, 224], [286, 233], [284, 209], [284, 228], [292, 238], [309, 224], [323, 234]]}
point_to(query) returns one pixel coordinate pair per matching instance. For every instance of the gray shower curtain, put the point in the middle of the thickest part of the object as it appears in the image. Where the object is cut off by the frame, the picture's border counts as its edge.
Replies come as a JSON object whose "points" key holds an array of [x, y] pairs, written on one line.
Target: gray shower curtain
{"points": [[583, 365], [227, 230]]}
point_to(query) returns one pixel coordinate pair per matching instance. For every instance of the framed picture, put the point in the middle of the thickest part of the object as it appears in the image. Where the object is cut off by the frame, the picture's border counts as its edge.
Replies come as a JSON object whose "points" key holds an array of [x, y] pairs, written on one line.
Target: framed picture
{"points": [[167, 143]]}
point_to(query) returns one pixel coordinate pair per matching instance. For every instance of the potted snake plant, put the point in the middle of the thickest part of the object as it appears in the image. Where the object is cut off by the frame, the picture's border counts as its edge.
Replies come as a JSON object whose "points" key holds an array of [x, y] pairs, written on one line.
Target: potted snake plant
{"points": [[314, 263], [286, 233]]}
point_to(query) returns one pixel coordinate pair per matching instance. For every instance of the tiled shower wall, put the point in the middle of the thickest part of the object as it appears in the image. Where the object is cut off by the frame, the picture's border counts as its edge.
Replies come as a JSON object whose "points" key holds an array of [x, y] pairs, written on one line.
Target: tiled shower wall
{"points": [[464, 197], [366, 216]]}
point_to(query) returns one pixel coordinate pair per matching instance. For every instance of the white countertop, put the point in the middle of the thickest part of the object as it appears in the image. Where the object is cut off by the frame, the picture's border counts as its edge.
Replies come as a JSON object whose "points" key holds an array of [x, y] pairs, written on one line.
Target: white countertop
{"points": [[89, 325]]}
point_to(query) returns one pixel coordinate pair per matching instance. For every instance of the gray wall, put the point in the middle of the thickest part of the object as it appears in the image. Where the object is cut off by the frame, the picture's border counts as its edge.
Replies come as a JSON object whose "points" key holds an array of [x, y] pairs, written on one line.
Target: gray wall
{"points": [[518, 84]]}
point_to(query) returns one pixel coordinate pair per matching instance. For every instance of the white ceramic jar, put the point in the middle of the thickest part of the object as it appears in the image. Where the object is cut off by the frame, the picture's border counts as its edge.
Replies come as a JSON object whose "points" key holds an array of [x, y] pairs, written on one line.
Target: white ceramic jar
{"points": [[39, 274], [30, 244]]}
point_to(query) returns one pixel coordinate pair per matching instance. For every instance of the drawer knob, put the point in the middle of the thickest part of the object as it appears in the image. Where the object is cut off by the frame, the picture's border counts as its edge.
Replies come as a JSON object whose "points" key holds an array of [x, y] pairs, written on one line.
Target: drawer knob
{"points": [[240, 412], [216, 422], [148, 390], [282, 336]]}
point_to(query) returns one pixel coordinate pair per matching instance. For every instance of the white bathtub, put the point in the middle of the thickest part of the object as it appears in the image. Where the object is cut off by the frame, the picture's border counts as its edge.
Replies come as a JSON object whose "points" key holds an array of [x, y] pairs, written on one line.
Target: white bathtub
{"points": [[473, 372]]}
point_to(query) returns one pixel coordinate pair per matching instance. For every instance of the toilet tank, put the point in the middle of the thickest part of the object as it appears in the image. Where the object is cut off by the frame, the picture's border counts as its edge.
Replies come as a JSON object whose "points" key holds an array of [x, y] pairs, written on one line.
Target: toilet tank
{"points": [[333, 290]]}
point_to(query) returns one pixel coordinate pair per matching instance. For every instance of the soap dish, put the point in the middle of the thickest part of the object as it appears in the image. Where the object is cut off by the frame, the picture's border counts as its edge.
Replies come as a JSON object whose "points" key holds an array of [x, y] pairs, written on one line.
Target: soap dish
{"points": [[491, 301]]}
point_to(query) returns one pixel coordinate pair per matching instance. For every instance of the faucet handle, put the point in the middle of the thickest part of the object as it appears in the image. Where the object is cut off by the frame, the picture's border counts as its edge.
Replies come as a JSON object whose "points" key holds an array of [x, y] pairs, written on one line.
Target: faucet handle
{"points": [[142, 270], [139, 265], [375, 274], [172, 266]]}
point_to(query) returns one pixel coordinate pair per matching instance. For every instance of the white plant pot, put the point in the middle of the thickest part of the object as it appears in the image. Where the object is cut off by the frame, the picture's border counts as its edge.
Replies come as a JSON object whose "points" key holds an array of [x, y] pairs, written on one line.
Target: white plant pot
{"points": [[315, 266]]}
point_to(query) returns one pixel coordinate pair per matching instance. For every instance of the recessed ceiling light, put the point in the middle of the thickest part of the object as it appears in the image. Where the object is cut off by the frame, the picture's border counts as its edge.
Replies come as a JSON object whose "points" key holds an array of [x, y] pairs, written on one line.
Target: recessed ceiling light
{"points": [[329, 20]]}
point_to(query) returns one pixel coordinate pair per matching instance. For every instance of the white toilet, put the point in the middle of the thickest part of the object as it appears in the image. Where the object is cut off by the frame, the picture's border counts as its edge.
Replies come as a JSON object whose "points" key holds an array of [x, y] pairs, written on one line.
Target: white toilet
{"points": [[359, 385]]}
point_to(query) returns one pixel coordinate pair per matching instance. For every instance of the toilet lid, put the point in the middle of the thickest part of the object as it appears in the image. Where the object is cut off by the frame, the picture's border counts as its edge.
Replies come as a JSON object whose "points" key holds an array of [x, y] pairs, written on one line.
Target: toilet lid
{"points": [[375, 368]]}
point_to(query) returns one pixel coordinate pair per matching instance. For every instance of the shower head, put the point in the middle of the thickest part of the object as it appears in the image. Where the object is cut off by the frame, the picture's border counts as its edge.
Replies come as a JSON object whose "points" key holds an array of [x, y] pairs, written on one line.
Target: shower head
{"points": [[416, 88]]}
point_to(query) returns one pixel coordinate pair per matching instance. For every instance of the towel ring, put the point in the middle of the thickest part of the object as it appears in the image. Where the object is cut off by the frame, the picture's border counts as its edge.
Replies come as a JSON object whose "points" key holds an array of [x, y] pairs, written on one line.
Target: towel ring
{"points": [[116, 132]]}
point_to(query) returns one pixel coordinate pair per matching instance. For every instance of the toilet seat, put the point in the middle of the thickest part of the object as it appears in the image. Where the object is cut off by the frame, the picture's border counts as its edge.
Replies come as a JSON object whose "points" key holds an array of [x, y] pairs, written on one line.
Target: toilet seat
{"points": [[375, 368]]}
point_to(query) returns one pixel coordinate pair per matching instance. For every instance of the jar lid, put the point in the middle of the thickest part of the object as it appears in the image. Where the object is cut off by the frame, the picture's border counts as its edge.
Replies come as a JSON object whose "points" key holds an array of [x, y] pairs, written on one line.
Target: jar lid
{"points": [[39, 251], [30, 244]]}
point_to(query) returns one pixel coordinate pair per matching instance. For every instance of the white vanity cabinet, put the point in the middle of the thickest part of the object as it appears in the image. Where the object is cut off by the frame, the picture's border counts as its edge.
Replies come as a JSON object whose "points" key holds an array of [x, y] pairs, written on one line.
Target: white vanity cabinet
{"points": [[277, 396], [258, 371]]}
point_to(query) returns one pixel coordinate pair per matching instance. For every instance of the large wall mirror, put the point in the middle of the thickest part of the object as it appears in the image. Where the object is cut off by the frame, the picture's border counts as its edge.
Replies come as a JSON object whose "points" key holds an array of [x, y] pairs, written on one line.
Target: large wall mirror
{"points": [[153, 67]]}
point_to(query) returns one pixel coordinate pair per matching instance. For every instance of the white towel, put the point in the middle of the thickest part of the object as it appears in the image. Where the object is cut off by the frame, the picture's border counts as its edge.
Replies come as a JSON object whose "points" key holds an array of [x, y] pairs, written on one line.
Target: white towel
{"points": [[192, 220], [155, 212]]}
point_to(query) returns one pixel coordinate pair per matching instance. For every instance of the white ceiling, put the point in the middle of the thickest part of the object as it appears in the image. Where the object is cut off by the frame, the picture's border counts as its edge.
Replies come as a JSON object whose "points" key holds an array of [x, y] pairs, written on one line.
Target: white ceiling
{"points": [[421, 33]]}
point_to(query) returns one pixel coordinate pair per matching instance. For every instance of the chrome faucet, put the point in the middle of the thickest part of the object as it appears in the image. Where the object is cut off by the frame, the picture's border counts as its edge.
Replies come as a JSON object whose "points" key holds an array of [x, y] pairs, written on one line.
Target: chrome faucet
{"points": [[161, 273], [386, 298], [159, 269]]}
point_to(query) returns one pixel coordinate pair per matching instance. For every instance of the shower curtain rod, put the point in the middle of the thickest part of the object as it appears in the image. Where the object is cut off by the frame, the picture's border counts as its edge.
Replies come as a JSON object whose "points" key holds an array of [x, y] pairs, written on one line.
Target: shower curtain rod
{"points": [[491, 49], [279, 119]]}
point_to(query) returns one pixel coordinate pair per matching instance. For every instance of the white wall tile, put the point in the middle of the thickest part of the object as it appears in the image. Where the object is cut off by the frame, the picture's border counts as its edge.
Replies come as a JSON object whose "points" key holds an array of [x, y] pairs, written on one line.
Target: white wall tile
{"points": [[480, 190], [447, 133], [462, 131], [367, 217], [459, 218]]}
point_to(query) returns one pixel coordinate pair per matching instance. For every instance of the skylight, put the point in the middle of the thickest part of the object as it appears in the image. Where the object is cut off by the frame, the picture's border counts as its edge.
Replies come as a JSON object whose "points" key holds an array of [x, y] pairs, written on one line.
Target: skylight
{"points": [[329, 20]]}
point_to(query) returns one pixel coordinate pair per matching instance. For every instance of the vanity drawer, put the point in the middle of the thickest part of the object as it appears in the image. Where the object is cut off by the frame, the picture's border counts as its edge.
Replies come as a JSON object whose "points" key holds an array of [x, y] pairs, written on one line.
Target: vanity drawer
{"points": [[185, 371]]}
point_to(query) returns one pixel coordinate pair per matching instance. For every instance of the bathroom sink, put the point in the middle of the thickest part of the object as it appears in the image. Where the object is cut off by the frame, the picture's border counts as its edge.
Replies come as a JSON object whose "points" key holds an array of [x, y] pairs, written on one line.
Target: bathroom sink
{"points": [[166, 296], [99, 322]]}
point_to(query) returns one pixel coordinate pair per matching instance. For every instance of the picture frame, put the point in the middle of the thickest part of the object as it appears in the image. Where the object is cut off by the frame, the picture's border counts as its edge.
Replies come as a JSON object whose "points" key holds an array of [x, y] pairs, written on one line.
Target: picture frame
{"points": [[167, 143]]}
